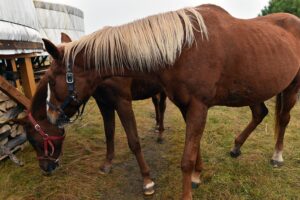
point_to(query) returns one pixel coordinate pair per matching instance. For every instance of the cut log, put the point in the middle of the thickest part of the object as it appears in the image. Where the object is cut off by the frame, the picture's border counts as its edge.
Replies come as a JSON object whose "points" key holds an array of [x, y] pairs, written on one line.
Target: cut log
{"points": [[16, 141], [4, 141], [3, 106], [10, 104], [13, 131], [4, 135], [13, 113], [21, 115], [3, 97], [20, 130], [12, 146], [4, 128]]}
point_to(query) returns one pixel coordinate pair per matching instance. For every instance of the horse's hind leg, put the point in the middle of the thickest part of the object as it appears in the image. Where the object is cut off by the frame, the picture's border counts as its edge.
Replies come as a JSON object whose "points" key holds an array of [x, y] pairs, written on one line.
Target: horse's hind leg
{"points": [[108, 114], [160, 107], [125, 112], [259, 111], [284, 103]]}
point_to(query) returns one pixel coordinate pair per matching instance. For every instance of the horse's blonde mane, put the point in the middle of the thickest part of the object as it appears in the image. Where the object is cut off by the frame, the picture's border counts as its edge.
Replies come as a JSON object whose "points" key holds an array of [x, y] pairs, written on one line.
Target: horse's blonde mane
{"points": [[144, 45]]}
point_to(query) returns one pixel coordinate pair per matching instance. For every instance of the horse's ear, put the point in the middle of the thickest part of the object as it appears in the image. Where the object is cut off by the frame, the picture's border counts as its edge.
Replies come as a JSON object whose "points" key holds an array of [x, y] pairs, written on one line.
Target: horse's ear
{"points": [[65, 38], [52, 49]]}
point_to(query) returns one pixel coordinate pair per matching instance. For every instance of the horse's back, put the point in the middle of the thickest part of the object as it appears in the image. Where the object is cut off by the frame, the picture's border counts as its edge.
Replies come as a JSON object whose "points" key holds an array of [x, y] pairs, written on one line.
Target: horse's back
{"points": [[244, 61]]}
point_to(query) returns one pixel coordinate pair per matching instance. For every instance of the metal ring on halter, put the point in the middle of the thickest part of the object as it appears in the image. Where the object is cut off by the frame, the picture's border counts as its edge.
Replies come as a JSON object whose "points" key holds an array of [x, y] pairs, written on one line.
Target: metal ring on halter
{"points": [[37, 127]]}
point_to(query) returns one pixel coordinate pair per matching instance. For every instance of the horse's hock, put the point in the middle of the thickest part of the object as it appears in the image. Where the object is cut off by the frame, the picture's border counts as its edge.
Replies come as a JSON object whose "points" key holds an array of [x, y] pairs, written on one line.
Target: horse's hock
{"points": [[23, 61]]}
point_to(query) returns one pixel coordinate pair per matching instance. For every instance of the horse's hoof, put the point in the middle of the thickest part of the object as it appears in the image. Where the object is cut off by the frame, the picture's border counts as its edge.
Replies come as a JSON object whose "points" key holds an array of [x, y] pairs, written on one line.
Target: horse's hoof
{"points": [[235, 154], [195, 185], [105, 169], [160, 140], [149, 189], [276, 163]]}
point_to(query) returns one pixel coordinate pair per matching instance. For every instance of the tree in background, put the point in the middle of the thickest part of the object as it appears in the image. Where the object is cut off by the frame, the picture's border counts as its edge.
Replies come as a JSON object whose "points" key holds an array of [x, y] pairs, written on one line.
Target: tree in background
{"points": [[275, 6]]}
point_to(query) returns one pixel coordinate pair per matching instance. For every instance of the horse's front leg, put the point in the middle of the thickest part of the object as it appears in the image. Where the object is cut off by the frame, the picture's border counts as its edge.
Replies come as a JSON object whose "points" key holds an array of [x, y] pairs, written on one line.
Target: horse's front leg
{"points": [[108, 114], [195, 117], [125, 112]]}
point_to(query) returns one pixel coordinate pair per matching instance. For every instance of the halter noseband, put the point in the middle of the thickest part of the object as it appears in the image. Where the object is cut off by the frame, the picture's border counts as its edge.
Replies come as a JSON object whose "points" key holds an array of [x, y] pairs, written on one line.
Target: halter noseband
{"points": [[47, 140], [72, 96]]}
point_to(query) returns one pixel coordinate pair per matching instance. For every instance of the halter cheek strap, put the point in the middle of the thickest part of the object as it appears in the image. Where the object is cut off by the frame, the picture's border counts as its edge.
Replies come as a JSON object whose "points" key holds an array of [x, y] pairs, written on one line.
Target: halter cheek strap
{"points": [[72, 97], [48, 140]]}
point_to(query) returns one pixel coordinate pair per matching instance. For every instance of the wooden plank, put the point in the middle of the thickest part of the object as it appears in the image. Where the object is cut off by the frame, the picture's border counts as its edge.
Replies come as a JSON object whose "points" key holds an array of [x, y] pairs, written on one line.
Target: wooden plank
{"points": [[12, 44], [22, 55], [27, 77], [14, 68], [13, 93]]}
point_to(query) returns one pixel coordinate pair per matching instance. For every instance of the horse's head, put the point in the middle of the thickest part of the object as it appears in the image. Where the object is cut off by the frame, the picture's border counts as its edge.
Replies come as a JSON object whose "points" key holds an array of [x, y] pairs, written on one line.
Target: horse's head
{"points": [[47, 140], [69, 85]]}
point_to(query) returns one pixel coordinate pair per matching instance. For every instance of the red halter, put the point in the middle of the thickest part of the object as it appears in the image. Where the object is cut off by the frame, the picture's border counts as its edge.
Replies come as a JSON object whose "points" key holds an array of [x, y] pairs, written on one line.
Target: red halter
{"points": [[47, 140]]}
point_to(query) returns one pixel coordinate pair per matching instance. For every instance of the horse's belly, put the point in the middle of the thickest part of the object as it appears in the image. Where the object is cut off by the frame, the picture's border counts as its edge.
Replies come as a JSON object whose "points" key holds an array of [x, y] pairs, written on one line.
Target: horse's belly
{"points": [[247, 90]]}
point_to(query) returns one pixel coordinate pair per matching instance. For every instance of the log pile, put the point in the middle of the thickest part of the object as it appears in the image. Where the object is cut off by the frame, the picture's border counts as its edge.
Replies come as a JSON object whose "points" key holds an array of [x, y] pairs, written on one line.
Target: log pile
{"points": [[12, 135]]}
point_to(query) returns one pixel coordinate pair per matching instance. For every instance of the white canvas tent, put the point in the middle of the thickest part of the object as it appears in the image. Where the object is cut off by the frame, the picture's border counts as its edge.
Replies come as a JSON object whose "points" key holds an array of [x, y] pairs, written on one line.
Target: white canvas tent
{"points": [[56, 18], [19, 28]]}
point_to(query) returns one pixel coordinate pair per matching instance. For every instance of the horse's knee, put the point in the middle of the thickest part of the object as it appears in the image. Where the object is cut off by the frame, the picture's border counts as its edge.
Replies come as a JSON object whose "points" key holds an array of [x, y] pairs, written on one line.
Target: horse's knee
{"points": [[134, 146]]}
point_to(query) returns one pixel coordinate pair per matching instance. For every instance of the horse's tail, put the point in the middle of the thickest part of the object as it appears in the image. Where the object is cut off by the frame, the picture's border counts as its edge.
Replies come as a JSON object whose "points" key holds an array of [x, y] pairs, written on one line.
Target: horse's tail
{"points": [[278, 108]]}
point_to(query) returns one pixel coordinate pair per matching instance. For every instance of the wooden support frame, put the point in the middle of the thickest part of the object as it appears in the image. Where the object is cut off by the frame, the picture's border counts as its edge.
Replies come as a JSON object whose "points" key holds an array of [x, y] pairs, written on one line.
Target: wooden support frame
{"points": [[27, 77], [13, 93], [14, 68]]}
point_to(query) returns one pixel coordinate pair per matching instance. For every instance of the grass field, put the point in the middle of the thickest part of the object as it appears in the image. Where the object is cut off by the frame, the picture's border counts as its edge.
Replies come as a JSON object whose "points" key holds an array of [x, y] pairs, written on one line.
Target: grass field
{"points": [[248, 177]]}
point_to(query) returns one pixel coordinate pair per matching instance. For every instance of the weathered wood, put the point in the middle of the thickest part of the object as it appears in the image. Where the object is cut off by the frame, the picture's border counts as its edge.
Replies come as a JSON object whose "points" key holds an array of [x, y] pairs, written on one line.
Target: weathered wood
{"points": [[5, 128], [3, 97], [3, 141], [21, 55], [13, 130], [10, 104], [11, 45], [12, 146], [13, 93], [14, 68], [27, 76], [4, 135]]}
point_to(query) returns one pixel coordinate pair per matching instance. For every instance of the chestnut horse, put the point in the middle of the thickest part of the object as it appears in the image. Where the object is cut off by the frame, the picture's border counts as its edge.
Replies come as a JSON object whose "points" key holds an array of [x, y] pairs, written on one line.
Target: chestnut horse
{"points": [[38, 127], [202, 56]]}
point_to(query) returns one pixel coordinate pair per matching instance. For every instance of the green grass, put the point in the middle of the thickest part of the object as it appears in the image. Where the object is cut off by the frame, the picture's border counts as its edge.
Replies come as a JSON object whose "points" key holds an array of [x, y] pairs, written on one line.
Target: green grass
{"points": [[248, 177]]}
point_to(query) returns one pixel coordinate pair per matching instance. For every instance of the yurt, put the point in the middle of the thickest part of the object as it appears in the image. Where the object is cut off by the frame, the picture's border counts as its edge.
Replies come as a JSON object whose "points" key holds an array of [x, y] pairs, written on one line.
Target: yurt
{"points": [[56, 18]]}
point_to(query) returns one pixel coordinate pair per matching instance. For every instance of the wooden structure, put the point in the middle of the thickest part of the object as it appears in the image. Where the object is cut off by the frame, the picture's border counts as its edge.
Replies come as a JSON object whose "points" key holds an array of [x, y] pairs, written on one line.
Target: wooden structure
{"points": [[20, 43], [23, 61]]}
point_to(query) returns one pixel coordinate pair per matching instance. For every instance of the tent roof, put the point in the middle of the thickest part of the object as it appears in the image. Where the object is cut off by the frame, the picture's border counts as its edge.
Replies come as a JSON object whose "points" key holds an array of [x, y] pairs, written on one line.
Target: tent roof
{"points": [[56, 18], [19, 28]]}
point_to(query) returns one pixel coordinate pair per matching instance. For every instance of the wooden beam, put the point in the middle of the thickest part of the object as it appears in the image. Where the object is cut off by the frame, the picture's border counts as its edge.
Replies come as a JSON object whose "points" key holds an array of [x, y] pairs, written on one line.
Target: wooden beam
{"points": [[13, 93], [22, 55], [27, 77], [14, 68]]}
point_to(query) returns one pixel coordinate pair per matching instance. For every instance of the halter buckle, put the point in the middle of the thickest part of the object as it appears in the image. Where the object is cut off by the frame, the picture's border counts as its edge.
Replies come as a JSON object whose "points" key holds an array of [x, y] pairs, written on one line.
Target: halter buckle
{"points": [[37, 127], [69, 77]]}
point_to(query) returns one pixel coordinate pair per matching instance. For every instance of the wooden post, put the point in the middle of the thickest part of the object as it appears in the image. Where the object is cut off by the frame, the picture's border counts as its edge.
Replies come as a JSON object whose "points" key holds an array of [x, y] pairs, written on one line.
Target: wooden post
{"points": [[27, 76], [14, 68]]}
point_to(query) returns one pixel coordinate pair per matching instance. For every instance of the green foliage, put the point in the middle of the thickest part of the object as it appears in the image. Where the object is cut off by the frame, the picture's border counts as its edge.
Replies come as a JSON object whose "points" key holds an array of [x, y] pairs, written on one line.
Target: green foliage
{"points": [[289, 6]]}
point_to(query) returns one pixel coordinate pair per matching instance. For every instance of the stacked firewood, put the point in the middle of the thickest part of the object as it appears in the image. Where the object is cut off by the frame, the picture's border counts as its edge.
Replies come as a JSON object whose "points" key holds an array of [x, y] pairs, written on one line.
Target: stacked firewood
{"points": [[12, 134]]}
